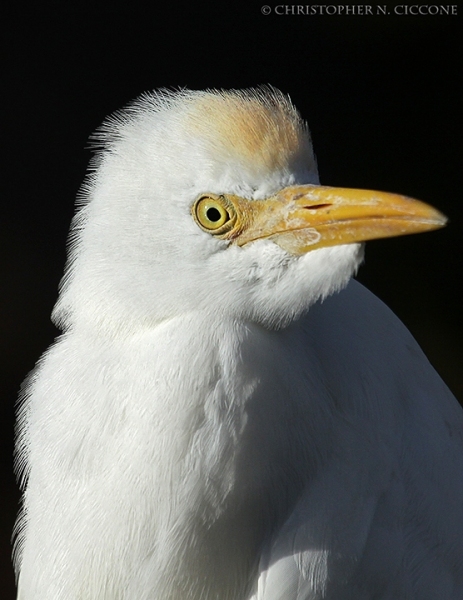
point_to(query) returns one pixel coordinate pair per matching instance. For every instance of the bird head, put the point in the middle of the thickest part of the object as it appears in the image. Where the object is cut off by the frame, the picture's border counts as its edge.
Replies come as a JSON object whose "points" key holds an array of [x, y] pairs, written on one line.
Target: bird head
{"points": [[210, 202]]}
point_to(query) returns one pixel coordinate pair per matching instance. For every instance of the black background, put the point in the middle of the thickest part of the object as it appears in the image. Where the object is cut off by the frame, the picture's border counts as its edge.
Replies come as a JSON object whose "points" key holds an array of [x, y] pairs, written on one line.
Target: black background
{"points": [[380, 93]]}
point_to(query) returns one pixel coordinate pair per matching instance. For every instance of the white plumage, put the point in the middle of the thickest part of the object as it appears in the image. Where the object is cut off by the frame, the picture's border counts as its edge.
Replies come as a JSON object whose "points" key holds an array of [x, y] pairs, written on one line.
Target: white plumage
{"points": [[216, 422]]}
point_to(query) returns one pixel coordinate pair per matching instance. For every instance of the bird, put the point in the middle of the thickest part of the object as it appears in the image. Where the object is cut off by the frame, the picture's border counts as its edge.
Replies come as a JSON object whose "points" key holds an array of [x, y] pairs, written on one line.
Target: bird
{"points": [[227, 413]]}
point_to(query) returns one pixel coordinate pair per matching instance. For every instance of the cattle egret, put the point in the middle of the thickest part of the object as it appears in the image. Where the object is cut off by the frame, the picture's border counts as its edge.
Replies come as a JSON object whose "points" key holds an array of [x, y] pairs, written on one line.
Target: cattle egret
{"points": [[227, 414]]}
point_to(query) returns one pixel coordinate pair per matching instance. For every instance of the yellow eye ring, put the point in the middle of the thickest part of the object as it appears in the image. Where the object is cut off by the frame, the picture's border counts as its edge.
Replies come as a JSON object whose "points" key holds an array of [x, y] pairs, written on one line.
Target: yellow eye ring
{"points": [[211, 214], [214, 214]]}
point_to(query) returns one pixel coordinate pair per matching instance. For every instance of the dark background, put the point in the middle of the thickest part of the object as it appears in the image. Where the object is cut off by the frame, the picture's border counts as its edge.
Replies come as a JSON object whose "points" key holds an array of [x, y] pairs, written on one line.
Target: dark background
{"points": [[380, 93]]}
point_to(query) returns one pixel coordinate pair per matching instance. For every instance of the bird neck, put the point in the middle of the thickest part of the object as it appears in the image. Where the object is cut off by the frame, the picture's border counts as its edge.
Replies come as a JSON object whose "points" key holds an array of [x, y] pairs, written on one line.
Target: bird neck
{"points": [[184, 410]]}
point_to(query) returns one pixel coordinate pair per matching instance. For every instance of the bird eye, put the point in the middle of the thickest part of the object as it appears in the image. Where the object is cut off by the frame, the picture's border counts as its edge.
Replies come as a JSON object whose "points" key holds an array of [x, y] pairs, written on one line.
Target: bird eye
{"points": [[214, 214], [210, 213]]}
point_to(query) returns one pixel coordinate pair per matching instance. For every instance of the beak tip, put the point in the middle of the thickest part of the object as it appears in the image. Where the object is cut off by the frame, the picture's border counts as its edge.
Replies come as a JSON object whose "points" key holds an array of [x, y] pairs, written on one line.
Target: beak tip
{"points": [[440, 220]]}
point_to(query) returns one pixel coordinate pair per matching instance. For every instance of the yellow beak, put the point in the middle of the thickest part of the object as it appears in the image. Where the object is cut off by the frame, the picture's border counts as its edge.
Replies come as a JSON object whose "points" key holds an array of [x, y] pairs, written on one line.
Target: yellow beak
{"points": [[303, 218]]}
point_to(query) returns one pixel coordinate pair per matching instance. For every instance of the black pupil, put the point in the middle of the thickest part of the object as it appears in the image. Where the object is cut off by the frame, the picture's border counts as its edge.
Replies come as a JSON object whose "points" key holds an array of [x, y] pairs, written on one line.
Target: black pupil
{"points": [[213, 214]]}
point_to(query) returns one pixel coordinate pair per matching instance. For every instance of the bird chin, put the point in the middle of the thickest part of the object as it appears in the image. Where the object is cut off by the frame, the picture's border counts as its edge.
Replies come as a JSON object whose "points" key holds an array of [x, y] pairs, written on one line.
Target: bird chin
{"points": [[302, 282]]}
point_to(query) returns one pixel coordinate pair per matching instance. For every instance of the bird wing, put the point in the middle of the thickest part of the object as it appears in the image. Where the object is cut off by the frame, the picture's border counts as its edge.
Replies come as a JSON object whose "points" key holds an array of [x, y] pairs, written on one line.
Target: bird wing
{"points": [[383, 518]]}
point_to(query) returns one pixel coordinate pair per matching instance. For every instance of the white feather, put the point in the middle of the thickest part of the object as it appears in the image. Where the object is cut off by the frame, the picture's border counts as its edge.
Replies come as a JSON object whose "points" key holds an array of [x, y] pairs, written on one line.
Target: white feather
{"points": [[207, 427]]}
